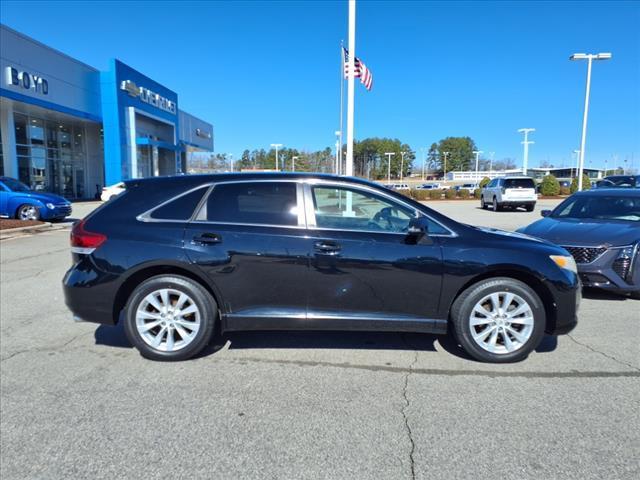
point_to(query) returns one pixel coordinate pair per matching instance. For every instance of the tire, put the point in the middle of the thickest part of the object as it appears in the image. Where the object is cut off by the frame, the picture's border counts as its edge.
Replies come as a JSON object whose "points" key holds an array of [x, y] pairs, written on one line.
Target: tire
{"points": [[112, 197], [482, 204], [507, 346], [27, 212], [530, 208], [495, 205], [189, 333]]}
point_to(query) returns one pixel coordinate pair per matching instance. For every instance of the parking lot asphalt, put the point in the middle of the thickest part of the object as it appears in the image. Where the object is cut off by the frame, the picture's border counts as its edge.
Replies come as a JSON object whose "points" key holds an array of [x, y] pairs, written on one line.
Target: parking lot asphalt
{"points": [[78, 402]]}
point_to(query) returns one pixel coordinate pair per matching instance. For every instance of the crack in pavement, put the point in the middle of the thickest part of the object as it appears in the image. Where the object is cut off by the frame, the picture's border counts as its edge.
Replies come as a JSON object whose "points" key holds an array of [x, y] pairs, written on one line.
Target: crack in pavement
{"points": [[30, 257], [404, 414], [594, 350], [45, 349], [438, 371]]}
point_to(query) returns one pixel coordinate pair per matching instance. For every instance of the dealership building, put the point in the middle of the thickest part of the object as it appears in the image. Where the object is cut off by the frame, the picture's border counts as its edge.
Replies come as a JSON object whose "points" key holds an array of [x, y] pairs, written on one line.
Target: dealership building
{"points": [[68, 128]]}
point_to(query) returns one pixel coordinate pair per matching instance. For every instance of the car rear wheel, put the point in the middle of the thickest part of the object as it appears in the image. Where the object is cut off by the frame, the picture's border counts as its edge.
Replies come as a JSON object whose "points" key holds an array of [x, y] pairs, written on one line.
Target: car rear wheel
{"points": [[530, 208], [170, 318], [495, 205], [498, 320]]}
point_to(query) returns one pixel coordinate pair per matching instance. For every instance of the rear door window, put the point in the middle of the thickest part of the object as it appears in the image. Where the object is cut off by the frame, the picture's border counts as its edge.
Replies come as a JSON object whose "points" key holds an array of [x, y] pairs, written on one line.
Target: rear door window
{"points": [[180, 208], [519, 183], [257, 203]]}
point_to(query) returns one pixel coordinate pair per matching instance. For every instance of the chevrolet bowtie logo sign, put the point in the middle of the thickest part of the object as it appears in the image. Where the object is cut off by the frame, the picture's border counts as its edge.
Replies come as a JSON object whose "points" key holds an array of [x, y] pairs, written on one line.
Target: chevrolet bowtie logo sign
{"points": [[148, 96]]}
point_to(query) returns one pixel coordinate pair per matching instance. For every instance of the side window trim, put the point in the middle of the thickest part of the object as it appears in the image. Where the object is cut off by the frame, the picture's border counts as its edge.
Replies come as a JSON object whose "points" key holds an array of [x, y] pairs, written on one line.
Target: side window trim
{"points": [[200, 215]]}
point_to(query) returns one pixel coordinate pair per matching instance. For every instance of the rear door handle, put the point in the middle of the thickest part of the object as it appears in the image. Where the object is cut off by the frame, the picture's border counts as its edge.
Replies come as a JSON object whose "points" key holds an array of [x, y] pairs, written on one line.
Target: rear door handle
{"points": [[327, 247], [207, 239]]}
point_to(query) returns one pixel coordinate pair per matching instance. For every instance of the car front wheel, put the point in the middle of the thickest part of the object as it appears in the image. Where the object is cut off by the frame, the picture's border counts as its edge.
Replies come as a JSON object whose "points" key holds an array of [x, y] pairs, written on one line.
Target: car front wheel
{"points": [[482, 204], [498, 320], [170, 318], [28, 212]]}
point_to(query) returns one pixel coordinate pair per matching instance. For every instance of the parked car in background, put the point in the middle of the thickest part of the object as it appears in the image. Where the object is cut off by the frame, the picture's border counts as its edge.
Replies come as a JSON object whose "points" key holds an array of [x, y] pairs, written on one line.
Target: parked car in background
{"points": [[175, 258], [401, 186], [619, 181], [111, 192], [601, 229], [470, 187], [19, 201], [429, 186], [510, 192]]}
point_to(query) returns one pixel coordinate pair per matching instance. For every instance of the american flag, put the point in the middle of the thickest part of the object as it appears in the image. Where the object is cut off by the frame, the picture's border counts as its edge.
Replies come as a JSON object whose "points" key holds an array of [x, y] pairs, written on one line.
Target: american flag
{"points": [[361, 70]]}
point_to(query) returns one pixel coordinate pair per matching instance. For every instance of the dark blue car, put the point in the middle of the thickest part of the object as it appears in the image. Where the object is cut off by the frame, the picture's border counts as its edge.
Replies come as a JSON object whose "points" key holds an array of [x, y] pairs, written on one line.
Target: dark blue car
{"points": [[19, 201], [601, 229]]}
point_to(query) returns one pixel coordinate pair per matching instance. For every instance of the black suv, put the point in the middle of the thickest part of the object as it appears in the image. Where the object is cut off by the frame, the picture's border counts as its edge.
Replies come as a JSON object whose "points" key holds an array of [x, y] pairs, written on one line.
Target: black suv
{"points": [[176, 257]]}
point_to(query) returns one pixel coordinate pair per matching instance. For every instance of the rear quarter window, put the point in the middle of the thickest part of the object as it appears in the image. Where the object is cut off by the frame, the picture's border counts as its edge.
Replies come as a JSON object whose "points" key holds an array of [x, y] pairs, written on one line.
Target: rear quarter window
{"points": [[180, 208]]}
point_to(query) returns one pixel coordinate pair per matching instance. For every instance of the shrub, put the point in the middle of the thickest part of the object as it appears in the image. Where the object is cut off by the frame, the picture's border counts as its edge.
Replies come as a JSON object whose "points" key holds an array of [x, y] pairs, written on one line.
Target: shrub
{"points": [[565, 191], [586, 184], [484, 181], [435, 194], [419, 194], [477, 193], [450, 194], [464, 193], [550, 187]]}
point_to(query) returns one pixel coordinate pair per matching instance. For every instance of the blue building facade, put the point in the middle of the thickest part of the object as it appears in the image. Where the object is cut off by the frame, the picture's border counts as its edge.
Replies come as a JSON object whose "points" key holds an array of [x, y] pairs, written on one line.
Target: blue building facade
{"points": [[69, 128]]}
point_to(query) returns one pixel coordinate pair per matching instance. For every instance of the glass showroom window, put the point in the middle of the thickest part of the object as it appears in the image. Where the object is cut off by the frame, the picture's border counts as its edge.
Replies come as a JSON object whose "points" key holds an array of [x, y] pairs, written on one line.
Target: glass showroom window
{"points": [[51, 155]]}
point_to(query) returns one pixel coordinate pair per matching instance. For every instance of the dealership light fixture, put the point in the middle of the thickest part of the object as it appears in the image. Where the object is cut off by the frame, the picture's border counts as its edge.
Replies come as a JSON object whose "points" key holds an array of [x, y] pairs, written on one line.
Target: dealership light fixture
{"points": [[276, 146], [589, 57], [526, 142], [402, 164], [389, 154], [293, 163], [477, 154]]}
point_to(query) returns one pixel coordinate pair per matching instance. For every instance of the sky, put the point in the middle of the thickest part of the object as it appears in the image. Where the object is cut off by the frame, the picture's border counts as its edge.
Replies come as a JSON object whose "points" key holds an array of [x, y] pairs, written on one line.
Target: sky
{"points": [[269, 72]]}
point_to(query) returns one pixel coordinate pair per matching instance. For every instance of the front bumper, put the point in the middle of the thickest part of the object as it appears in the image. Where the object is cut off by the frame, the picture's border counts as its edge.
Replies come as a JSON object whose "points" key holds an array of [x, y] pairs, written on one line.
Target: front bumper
{"points": [[57, 213], [567, 297], [608, 272]]}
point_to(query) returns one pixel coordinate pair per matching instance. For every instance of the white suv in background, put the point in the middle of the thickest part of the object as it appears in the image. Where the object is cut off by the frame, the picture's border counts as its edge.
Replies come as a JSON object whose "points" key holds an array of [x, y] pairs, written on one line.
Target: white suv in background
{"points": [[511, 192]]}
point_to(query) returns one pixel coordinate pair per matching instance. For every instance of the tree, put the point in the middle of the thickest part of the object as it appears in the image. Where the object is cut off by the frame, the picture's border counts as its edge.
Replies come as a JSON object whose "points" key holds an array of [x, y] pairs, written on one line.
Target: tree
{"points": [[245, 161], [370, 160], [460, 153], [484, 182], [550, 187], [586, 184]]}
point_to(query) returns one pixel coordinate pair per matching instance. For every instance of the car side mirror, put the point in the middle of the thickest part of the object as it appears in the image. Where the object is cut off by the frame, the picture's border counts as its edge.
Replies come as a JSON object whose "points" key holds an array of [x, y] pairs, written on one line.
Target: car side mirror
{"points": [[418, 228], [545, 213]]}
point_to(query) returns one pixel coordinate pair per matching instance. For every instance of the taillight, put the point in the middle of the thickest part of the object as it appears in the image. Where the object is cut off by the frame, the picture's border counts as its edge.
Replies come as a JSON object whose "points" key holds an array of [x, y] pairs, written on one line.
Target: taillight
{"points": [[84, 241]]}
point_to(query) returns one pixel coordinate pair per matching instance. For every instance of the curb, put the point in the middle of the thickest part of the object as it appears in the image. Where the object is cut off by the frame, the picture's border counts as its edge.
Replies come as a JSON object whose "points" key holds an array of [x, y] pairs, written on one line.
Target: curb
{"points": [[14, 232]]}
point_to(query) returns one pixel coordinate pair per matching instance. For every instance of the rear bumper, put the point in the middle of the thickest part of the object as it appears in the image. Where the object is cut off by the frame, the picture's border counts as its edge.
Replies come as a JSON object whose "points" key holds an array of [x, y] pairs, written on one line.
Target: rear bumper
{"points": [[90, 292], [524, 201]]}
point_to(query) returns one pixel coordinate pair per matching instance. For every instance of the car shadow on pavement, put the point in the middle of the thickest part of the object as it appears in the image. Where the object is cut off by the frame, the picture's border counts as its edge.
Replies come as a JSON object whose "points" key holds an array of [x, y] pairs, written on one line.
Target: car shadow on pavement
{"points": [[114, 336]]}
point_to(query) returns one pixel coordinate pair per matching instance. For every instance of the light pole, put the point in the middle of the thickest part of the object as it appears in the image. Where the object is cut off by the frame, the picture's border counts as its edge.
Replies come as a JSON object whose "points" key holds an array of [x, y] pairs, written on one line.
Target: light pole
{"points": [[589, 57], [424, 160], [389, 154], [477, 154], [444, 173], [276, 146], [293, 163], [491, 154], [402, 165], [577, 155], [526, 143], [231, 161]]}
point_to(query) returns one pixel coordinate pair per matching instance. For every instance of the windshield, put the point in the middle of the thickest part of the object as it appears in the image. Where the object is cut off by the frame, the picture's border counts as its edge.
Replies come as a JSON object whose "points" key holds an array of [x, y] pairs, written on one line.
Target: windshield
{"points": [[14, 185], [600, 208], [518, 183]]}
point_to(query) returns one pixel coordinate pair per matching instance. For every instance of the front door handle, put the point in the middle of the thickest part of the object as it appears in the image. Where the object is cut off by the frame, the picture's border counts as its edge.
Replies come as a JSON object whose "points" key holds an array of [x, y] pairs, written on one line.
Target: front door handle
{"points": [[207, 239], [327, 247]]}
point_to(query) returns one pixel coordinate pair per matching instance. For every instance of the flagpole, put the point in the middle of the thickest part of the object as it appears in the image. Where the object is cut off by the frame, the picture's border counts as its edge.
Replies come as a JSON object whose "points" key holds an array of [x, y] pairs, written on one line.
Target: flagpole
{"points": [[350, 86], [339, 159]]}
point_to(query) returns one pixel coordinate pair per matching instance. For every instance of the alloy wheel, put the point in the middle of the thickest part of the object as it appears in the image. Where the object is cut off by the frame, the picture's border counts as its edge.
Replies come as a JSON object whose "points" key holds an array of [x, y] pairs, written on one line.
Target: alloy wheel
{"points": [[28, 212], [501, 322], [168, 319]]}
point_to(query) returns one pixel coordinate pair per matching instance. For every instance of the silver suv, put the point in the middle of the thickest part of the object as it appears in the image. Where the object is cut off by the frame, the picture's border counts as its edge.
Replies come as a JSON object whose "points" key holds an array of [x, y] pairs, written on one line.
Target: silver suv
{"points": [[511, 192]]}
